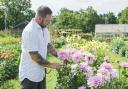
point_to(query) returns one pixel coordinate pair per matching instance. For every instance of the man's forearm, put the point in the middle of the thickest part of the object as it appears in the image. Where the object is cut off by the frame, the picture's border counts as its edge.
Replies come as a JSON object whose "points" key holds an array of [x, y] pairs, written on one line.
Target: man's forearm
{"points": [[52, 50], [38, 58]]}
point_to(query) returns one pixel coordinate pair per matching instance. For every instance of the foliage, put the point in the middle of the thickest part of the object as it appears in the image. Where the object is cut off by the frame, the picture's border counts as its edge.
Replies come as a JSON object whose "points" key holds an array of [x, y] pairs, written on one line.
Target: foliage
{"points": [[110, 18], [101, 52], [2, 25], [116, 45], [87, 36], [59, 42], [9, 62], [61, 77], [123, 16], [17, 11], [75, 41], [11, 84], [79, 73], [84, 19], [123, 51], [8, 40], [3, 34], [119, 46]]}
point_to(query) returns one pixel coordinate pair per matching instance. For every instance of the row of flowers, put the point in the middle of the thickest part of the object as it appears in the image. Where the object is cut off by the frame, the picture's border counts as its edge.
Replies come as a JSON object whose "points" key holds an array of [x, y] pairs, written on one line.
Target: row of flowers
{"points": [[6, 54], [80, 62]]}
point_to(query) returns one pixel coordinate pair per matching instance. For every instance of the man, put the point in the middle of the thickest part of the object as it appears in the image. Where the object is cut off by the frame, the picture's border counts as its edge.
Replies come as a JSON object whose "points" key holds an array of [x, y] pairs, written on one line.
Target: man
{"points": [[35, 43]]}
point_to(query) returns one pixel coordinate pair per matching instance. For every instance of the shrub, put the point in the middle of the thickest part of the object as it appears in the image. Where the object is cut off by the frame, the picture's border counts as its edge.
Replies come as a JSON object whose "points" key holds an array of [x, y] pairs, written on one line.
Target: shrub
{"points": [[58, 43], [4, 33], [116, 45], [123, 51], [87, 36], [10, 84], [126, 54], [8, 63], [8, 40]]}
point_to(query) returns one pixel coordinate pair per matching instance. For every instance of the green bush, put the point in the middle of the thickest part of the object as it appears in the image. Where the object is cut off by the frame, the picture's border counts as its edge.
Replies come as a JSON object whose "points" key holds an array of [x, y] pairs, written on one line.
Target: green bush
{"points": [[9, 66], [87, 36], [126, 54], [116, 45], [123, 51], [4, 33], [10, 84], [9, 70], [58, 43], [64, 81], [8, 40]]}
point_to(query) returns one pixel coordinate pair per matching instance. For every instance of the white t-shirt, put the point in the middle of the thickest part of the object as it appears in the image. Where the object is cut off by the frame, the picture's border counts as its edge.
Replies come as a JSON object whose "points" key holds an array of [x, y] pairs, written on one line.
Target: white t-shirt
{"points": [[34, 38]]}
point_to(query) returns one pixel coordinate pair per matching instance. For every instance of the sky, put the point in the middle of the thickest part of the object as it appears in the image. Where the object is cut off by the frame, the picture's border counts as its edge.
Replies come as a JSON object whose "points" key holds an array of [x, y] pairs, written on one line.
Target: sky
{"points": [[101, 6]]}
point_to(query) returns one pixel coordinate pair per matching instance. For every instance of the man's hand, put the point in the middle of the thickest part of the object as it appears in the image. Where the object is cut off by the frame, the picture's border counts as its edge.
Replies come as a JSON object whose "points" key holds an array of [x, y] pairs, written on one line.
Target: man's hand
{"points": [[54, 65]]}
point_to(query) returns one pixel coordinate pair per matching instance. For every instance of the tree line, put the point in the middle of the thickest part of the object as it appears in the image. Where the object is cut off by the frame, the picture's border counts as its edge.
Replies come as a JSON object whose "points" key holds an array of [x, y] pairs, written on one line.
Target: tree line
{"points": [[86, 19], [17, 11]]}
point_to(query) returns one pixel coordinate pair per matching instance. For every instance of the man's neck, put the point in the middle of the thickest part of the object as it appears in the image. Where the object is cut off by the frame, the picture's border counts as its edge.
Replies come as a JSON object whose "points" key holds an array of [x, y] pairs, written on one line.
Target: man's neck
{"points": [[37, 21], [43, 26]]}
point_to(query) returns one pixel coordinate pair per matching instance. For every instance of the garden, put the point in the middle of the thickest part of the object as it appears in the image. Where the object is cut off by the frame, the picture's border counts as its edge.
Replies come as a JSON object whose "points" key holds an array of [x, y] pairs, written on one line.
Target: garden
{"points": [[92, 64]]}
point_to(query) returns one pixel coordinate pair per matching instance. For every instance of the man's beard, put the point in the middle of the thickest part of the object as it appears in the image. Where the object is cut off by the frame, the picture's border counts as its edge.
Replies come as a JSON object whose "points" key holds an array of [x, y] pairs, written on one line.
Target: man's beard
{"points": [[42, 26]]}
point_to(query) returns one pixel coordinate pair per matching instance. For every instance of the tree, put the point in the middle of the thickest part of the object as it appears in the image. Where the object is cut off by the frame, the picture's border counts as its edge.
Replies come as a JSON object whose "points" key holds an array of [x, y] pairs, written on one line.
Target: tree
{"points": [[84, 19], [2, 24], [108, 18], [66, 19], [17, 11], [111, 18], [123, 16], [89, 18]]}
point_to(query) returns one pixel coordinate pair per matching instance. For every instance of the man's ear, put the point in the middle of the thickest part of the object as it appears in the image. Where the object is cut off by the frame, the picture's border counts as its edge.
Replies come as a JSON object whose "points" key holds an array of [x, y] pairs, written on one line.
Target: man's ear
{"points": [[39, 19]]}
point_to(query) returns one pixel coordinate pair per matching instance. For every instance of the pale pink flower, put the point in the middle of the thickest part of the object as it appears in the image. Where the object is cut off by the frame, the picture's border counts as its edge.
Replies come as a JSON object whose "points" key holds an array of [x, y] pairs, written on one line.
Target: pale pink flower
{"points": [[81, 87], [89, 58], [86, 69], [107, 71], [77, 56], [95, 81], [114, 74], [64, 54], [107, 66], [124, 64]]}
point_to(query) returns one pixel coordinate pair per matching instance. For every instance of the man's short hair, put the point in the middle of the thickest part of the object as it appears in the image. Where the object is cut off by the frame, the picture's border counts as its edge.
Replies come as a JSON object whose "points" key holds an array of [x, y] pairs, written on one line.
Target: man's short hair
{"points": [[43, 11]]}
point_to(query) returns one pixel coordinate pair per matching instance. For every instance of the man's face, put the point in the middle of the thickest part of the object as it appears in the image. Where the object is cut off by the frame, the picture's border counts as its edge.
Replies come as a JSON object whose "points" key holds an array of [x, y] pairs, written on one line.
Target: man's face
{"points": [[46, 20]]}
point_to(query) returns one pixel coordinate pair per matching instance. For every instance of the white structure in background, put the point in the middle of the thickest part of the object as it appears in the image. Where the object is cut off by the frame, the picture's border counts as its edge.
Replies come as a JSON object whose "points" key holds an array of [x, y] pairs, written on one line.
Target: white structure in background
{"points": [[110, 30]]}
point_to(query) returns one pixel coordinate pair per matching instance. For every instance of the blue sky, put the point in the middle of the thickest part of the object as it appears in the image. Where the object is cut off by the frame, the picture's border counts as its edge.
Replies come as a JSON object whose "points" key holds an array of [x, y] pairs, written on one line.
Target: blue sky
{"points": [[101, 6]]}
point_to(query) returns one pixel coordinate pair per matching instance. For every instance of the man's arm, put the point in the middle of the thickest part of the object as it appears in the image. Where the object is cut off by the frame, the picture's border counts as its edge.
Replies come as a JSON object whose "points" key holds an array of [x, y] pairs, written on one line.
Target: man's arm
{"points": [[52, 50], [41, 61]]}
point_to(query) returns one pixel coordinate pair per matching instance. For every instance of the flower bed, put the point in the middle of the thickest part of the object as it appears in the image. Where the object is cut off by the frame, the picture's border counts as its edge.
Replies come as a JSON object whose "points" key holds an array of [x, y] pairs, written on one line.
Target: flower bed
{"points": [[84, 71]]}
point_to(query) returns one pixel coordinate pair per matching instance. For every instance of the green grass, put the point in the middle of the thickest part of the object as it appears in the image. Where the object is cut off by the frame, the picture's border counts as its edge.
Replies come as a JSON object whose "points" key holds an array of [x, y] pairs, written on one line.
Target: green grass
{"points": [[116, 58], [51, 74]]}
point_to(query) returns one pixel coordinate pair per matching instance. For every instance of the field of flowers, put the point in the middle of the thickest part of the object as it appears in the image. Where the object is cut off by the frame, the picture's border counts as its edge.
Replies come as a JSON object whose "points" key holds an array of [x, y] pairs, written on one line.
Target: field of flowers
{"points": [[88, 64]]}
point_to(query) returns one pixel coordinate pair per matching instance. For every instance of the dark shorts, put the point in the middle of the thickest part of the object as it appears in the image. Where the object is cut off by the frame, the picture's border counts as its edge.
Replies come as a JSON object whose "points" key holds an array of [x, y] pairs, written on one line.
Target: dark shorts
{"points": [[27, 84]]}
